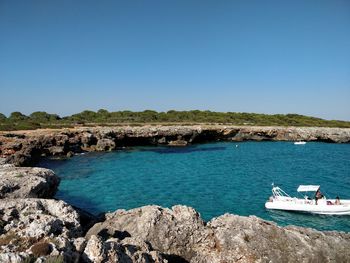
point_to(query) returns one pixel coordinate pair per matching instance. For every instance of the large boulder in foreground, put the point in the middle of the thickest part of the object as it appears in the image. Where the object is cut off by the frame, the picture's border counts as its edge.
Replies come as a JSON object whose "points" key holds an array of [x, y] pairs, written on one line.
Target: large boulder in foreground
{"points": [[27, 182], [180, 233], [177, 232]]}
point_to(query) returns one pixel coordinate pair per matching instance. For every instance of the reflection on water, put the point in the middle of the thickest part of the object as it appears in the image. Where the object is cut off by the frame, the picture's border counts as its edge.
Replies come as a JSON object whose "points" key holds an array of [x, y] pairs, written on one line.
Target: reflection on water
{"points": [[181, 149]]}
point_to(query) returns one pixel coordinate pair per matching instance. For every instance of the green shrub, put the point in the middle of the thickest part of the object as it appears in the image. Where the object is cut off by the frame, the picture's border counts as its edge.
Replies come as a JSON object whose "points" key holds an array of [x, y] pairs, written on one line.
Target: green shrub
{"points": [[40, 119], [17, 116]]}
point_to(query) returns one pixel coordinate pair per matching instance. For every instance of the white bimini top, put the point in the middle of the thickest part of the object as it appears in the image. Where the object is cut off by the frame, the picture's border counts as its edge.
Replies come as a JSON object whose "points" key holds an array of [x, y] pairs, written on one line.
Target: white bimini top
{"points": [[308, 188]]}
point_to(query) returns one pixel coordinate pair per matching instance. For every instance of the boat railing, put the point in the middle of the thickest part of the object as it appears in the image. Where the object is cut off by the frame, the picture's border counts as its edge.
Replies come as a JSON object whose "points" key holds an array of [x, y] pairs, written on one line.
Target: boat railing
{"points": [[278, 192]]}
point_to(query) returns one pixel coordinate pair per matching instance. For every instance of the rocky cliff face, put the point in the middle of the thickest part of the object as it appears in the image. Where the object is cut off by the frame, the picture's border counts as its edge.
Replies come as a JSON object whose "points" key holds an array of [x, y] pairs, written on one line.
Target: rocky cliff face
{"points": [[25, 148]]}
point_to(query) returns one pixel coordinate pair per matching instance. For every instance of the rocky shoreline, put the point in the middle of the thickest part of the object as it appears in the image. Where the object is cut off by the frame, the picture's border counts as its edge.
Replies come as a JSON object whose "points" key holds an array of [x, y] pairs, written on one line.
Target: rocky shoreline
{"points": [[36, 228], [24, 148]]}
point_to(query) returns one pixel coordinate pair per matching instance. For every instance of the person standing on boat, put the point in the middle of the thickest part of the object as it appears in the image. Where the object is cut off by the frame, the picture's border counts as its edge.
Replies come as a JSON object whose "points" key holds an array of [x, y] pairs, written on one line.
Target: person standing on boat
{"points": [[318, 195]]}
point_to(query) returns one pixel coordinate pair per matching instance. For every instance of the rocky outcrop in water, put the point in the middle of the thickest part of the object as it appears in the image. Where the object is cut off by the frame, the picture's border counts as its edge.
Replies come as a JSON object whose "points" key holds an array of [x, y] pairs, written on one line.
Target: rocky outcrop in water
{"points": [[23, 182], [26, 147]]}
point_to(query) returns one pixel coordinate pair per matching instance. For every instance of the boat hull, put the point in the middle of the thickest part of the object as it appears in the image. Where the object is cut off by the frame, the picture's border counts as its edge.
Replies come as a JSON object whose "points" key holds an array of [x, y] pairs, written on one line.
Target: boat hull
{"points": [[309, 206], [299, 143]]}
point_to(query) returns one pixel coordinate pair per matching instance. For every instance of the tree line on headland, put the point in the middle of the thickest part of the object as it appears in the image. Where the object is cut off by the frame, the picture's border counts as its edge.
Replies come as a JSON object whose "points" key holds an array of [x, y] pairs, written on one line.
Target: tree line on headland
{"points": [[41, 119]]}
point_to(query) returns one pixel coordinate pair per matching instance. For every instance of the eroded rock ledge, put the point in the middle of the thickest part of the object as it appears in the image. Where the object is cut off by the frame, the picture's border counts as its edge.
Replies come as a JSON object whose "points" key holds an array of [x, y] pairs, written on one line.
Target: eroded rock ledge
{"points": [[26, 147]]}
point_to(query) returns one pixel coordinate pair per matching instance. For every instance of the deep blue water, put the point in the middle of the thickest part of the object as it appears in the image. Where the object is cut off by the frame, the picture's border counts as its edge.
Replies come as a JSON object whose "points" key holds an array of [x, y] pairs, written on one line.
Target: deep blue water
{"points": [[214, 178]]}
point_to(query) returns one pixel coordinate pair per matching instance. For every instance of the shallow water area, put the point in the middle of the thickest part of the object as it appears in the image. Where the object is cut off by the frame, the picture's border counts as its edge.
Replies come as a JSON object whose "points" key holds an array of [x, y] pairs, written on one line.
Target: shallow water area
{"points": [[213, 178]]}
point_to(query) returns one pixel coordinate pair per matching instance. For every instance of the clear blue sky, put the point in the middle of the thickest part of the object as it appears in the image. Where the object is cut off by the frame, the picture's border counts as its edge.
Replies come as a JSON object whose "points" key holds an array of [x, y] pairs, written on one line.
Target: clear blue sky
{"points": [[244, 56]]}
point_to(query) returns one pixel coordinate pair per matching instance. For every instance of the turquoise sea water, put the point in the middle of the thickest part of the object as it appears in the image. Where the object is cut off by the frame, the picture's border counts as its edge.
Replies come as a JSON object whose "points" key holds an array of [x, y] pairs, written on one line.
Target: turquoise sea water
{"points": [[214, 178]]}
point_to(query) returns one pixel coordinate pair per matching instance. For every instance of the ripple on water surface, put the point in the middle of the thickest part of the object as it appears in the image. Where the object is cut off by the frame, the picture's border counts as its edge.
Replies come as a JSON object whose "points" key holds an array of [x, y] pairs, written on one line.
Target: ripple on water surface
{"points": [[213, 178]]}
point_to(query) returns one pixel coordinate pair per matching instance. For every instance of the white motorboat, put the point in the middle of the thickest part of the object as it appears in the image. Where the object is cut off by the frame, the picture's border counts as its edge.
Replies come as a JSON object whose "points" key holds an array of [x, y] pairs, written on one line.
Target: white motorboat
{"points": [[299, 143], [280, 200]]}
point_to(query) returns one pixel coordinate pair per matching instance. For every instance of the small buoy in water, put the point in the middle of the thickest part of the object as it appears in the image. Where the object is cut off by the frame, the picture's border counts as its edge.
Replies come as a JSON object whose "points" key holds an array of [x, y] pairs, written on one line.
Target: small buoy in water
{"points": [[236, 145]]}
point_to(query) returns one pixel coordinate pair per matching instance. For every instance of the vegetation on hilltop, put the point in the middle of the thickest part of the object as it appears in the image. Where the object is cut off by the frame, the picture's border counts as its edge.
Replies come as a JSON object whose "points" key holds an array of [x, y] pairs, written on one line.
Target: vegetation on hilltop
{"points": [[40, 119]]}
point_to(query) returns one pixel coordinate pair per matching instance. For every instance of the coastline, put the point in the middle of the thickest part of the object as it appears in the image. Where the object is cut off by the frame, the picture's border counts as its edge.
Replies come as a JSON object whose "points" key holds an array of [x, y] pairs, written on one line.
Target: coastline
{"points": [[26, 147], [33, 225]]}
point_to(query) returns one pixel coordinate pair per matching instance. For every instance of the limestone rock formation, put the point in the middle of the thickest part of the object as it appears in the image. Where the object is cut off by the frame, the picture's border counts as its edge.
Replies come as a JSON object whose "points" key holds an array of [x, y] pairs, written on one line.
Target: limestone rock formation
{"points": [[180, 232], [29, 153], [179, 142], [22, 182], [26, 147], [251, 239], [37, 227], [39, 217], [115, 250], [105, 145], [174, 232], [56, 150], [88, 139], [43, 229]]}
